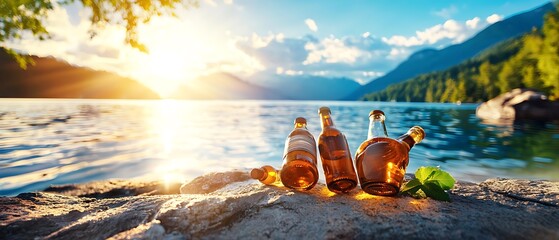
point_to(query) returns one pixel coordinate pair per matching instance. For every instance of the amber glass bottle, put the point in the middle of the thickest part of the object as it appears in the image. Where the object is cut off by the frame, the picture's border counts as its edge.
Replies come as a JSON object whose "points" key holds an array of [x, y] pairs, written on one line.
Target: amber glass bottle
{"points": [[299, 158], [381, 161], [335, 155], [266, 174]]}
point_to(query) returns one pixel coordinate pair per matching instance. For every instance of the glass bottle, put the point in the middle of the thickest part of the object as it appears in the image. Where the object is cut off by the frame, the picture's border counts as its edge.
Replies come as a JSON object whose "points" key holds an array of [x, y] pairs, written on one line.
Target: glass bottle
{"points": [[299, 158], [335, 155], [381, 161], [266, 174]]}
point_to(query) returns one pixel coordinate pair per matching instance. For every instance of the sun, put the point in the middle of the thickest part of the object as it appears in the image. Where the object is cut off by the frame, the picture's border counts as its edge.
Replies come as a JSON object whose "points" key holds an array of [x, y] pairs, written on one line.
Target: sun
{"points": [[176, 54], [166, 64]]}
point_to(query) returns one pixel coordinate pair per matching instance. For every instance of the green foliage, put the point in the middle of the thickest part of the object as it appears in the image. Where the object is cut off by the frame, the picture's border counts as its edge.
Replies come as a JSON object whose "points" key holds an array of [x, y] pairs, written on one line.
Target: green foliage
{"points": [[549, 59], [28, 16], [430, 182], [529, 61]]}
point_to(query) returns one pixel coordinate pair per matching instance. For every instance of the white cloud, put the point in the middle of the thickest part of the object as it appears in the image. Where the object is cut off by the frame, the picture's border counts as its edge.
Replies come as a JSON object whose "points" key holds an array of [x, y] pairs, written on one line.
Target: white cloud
{"points": [[332, 50], [349, 56], [451, 30], [473, 23], [353, 57], [293, 72], [260, 42], [398, 53], [280, 37], [398, 40], [257, 41], [366, 34], [372, 74], [494, 18], [229, 2], [446, 12], [320, 73], [290, 72], [311, 24]]}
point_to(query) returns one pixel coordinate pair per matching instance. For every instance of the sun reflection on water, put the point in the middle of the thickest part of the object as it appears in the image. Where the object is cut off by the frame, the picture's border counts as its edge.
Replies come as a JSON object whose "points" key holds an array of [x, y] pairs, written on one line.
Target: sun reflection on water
{"points": [[194, 138], [166, 120]]}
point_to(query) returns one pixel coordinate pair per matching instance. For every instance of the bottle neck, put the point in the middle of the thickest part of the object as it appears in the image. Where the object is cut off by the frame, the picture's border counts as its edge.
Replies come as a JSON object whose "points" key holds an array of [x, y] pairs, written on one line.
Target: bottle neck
{"points": [[326, 120], [414, 136], [300, 125], [377, 127], [406, 138], [258, 174]]}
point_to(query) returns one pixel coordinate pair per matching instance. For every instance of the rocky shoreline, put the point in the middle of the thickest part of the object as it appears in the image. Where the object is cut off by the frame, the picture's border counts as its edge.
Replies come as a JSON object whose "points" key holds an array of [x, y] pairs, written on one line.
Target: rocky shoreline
{"points": [[229, 205]]}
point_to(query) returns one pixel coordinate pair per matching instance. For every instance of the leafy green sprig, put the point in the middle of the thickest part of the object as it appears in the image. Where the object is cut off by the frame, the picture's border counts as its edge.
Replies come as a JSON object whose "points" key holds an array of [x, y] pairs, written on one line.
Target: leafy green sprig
{"points": [[430, 182]]}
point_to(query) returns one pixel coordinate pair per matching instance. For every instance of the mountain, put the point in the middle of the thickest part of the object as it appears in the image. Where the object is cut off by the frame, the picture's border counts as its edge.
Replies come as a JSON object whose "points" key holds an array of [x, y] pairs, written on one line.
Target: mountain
{"points": [[430, 60], [307, 87], [462, 82], [223, 86], [529, 61], [51, 78]]}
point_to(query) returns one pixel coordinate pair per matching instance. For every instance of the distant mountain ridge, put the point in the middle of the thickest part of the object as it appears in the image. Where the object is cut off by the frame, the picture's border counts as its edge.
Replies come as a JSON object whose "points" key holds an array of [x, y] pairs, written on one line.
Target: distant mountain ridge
{"points": [[530, 61], [429, 60], [223, 86], [307, 87], [51, 78]]}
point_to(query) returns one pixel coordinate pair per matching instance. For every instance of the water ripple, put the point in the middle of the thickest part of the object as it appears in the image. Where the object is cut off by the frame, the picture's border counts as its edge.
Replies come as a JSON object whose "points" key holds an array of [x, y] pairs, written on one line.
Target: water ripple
{"points": [[45, 142]]}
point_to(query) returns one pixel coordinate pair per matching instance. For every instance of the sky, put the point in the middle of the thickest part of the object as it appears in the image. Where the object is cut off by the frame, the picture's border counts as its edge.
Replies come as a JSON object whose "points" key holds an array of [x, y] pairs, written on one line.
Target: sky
{"points": [[361, 40]]}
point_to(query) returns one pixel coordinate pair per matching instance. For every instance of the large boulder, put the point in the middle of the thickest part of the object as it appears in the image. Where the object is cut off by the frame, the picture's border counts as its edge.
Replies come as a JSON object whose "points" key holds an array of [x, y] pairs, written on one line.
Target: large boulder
{"points": [[247, 209], [519, 104]]}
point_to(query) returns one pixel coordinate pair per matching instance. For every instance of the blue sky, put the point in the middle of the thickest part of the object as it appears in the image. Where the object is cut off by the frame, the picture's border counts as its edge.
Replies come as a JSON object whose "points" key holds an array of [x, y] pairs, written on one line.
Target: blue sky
{"points": [[360, 40], [380, 17]]}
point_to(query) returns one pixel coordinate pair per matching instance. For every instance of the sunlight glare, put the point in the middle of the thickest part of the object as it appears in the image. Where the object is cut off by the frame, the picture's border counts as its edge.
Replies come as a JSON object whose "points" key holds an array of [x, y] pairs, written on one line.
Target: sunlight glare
{"points": [[177, 54], [167, 64], [166, 121]]}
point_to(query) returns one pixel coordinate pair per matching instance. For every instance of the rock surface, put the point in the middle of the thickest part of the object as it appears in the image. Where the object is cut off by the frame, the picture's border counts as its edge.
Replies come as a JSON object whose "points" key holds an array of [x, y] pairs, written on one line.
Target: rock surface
{"points": [[228, 206], [519, 104]]}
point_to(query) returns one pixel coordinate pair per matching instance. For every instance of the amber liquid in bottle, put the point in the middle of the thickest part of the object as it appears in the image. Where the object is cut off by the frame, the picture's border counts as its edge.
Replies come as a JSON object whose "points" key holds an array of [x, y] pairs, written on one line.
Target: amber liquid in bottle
{"points": [[381, 161], [266, 174], [299, 158], [335, 155]]}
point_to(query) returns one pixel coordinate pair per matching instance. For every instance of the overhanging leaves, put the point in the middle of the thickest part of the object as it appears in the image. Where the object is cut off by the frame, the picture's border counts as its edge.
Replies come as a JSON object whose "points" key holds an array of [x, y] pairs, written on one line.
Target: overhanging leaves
{"points": [[28, 16]]}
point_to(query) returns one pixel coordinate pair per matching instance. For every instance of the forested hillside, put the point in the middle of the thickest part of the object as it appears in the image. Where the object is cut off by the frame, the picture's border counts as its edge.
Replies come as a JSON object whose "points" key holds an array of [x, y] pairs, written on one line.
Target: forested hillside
{"points": [[529, 61]]}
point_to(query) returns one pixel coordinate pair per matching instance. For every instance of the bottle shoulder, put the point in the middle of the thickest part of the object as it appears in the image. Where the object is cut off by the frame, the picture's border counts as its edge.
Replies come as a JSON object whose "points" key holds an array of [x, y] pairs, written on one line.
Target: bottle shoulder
{"points": [[387, 140], [300, 131], [330, 132]]}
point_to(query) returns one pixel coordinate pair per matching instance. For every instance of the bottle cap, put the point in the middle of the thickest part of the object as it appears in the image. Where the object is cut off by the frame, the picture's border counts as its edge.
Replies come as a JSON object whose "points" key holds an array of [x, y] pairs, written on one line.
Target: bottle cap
{"points": [[417, 133], [375, 112], [301, 120], [256, 173], [324, 110]]}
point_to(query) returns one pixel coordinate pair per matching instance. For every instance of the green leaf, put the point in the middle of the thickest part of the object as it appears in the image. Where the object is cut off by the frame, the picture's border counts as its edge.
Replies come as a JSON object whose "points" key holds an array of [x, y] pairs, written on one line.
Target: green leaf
{"points": [[411, 187], [419, 194], [443, 179], [423, 173], [430, 182], [435, 191]]}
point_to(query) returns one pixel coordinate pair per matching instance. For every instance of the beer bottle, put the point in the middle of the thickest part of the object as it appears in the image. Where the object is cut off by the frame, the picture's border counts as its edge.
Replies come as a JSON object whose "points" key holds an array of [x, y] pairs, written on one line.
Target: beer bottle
{"points": [[299, 158], [266, 174], [381, 161], [335, 155]]}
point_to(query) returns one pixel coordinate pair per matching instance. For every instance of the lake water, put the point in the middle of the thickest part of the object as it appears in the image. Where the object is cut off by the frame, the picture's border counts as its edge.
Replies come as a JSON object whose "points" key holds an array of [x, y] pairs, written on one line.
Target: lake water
{"points": [[44, 142]]}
